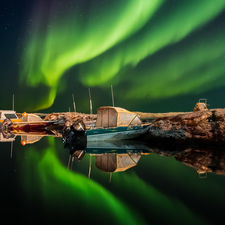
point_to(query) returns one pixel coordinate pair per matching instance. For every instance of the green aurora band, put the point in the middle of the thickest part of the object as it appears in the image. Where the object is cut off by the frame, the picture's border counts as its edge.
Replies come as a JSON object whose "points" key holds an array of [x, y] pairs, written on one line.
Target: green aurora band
{"points": [[51, 177], [51, 174], [195, 68], [64, 44], [171, 27], [117, 36]]}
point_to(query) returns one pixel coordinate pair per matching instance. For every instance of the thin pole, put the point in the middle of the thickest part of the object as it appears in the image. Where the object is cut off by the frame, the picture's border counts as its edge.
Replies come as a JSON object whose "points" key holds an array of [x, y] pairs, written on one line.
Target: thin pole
{"points": [[11, 149], [74, 106], [90, 101], [89, 173], [69, 163], [69, 109], [112, 95], [72, 163], [110, 177], [13, 102]]}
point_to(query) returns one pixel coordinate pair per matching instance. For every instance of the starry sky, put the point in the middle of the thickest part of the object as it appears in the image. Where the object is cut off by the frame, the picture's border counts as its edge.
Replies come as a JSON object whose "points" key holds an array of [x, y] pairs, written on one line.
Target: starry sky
{"points": [[159, 55]]}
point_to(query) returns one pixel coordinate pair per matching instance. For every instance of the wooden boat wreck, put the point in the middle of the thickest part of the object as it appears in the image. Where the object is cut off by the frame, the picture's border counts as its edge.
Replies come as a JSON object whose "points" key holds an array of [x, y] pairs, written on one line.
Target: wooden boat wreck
{"points": [[115, 123], [10, 114], [30, 127]]}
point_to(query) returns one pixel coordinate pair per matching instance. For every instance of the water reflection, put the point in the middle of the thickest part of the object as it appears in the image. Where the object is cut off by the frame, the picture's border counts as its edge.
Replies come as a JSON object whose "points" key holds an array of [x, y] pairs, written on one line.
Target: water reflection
{"points": [[112, 157], [120, 155], [29, 133], [155, 181], [203, 159]]}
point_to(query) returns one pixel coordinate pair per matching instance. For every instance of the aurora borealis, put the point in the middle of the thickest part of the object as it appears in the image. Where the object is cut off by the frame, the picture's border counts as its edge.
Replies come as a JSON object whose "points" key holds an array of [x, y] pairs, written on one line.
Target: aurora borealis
{"points": [[159, 55], [79, 40], [148, 50]]}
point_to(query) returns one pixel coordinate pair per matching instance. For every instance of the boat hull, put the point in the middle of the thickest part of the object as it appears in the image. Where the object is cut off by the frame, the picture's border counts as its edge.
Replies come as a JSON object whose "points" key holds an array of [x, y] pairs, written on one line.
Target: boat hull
{"points": [[118, 146], [117, 133]]}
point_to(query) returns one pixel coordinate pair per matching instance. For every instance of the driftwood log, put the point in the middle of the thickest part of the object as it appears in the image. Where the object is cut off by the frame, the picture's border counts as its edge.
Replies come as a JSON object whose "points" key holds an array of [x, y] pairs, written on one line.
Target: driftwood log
{"points": [[202, 127], [70, 118]]}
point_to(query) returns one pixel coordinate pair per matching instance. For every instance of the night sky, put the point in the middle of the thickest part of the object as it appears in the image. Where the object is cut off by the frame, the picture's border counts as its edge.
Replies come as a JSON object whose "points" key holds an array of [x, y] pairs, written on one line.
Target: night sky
{"points": [[159, 55]]}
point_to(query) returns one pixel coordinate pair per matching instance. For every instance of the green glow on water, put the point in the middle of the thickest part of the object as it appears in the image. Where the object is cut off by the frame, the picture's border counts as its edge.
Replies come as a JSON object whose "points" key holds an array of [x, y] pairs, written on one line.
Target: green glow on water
{"points": [[57, 184], [182, 177], [134, 200], [157, 202]]}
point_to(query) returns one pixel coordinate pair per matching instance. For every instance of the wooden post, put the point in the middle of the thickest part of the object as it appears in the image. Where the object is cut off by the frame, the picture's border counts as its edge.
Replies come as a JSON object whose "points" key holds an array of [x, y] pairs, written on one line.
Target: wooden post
{"points": [[112, 96]]}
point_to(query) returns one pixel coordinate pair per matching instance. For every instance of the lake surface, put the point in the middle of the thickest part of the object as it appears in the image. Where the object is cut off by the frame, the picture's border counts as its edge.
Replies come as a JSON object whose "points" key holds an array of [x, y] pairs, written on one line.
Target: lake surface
{"points": [[40, 185]]}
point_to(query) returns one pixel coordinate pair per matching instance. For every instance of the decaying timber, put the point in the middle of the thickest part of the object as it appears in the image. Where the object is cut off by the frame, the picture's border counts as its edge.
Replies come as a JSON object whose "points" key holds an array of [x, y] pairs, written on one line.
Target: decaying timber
{"points": [[70, 117], [198, 127]]}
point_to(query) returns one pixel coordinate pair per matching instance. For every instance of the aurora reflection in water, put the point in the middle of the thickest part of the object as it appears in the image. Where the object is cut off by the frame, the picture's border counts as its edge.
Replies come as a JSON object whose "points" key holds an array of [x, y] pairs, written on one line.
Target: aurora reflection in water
{"points": [[159, 55]]}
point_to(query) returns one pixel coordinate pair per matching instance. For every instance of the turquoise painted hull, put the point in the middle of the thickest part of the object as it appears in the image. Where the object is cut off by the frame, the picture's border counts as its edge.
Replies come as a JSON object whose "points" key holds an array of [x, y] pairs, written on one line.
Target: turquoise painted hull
{"points": [[117, 147], [116, 133]]}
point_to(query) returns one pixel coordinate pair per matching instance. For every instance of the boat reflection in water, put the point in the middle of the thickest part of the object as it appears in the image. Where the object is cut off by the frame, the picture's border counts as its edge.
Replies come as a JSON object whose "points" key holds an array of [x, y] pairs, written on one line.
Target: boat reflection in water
{"points": [[113, 156], [120, 155], [29, 133], [110, 156], [31, 128]]}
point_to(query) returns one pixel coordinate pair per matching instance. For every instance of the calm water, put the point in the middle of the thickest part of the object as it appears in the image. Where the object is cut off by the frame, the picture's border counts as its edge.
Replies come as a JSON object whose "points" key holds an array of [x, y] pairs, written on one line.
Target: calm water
{"points": [[37, 186]]}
